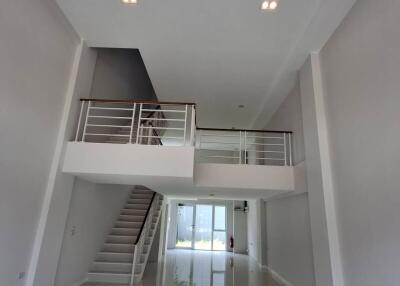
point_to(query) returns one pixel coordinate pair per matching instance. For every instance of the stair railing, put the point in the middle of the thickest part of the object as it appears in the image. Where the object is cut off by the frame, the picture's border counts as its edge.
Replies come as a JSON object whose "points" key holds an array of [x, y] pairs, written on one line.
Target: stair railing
{"points": [[136, 122], [142, 235]]}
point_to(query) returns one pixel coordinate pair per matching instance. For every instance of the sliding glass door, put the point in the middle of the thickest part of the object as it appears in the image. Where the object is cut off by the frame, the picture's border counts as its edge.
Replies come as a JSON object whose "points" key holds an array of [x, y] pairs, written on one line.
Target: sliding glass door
{"points": [[201, 226]]}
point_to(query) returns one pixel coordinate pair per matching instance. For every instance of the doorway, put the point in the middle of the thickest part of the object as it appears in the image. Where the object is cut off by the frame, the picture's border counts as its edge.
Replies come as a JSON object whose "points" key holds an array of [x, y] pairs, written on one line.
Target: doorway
{"points": [[201, 227]]}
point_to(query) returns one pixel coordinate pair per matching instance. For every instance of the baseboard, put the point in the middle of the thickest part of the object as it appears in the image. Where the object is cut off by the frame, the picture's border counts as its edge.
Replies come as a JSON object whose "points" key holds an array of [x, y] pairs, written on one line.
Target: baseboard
{"points": [[278, 278], [79, 283]]}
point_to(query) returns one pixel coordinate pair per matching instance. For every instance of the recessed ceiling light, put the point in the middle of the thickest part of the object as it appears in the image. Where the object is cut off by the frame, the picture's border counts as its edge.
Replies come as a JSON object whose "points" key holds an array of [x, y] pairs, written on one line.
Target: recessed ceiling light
{"points": [[129, 1], [211, 195], [273, 5], [241, 106], [266, 5]]}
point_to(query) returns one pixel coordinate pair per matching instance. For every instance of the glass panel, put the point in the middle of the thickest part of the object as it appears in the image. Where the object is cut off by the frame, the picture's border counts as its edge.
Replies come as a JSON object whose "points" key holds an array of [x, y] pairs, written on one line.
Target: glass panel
{"points": [[184, 226], [219, 218], [218, 279], [219, 242], [203, 228]]}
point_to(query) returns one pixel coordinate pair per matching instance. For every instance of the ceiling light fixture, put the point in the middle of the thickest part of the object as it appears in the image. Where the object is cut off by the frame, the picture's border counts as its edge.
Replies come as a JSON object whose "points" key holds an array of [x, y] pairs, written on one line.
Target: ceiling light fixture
{"points": [[129, 1], [266, 5]]}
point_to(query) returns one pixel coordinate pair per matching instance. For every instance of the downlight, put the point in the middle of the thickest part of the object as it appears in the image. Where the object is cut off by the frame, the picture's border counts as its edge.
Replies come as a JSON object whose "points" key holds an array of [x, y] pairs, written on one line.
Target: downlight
{"points": [[267, 5], [129, 1]]}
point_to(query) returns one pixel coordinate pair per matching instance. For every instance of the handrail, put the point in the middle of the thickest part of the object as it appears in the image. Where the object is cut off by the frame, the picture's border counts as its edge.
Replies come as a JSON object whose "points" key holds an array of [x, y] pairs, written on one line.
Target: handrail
{"points": [[247, 130], [145, 218], [132, 101]]}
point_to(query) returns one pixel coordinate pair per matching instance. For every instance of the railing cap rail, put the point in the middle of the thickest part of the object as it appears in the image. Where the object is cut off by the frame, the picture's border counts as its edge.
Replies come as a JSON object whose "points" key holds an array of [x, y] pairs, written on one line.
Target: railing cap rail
{"points": [[247, 130], [132, 101], [145, 218]]}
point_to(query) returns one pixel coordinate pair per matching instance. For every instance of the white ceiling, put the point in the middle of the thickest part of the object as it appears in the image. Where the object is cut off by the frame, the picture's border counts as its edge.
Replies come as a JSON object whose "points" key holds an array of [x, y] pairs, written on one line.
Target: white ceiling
{"points": [[218, 53]]}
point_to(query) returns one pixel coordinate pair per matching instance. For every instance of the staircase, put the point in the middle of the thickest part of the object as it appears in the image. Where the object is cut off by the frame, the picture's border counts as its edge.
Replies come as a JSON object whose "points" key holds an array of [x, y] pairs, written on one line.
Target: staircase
{"points": [[114, 263]]}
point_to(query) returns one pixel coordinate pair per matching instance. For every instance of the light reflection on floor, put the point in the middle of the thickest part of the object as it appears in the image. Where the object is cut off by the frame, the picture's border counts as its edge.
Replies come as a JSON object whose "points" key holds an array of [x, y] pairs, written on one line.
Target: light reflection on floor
{"points": [[203, 268]]}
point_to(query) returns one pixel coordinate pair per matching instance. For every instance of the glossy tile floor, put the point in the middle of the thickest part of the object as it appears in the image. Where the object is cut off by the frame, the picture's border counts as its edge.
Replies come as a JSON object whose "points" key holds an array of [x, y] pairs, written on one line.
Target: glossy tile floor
{"points": [[203, 268]]}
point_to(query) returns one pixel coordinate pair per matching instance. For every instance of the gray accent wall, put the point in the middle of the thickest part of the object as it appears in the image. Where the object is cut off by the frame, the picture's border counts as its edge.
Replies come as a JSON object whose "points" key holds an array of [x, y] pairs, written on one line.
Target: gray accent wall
{"points": [[121, 74]]}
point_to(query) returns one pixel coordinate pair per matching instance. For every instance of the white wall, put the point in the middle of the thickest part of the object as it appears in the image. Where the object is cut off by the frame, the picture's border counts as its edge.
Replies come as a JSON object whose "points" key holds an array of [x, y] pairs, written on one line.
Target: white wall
{"points": [[360, 67], [93, 211], [289, 246], [255, 231], [37, 49]]}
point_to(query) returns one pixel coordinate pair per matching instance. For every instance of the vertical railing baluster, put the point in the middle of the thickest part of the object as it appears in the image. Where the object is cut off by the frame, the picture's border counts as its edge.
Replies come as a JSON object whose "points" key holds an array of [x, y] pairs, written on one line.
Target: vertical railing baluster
{"points": [[193, 126], [139, 123], [86, 121], [240, 147], [245, 147], [284, 148], [150, 134], [185, 125], [79, 121], [132, 123], [290, 150]]}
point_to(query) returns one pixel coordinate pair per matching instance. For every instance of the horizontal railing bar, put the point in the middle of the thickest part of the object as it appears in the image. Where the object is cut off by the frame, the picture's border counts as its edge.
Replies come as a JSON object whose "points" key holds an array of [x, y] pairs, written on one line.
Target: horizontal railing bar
{"points": [[110, 108], [247, 130], [265, 144], [162, 110], [110, 135], [103, 125], [164, 119], [168, 137], [218, 150], [111, 117], [138, 101], [226, 157], [280, 152], [262, 137], [275, 159], [218, 135], [166, 128], [212, 142]]}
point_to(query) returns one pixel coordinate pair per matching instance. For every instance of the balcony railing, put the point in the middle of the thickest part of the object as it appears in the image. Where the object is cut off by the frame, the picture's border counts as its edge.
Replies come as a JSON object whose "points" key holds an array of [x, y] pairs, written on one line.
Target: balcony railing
{"points": [[174, 124], [253, 147], [136, 122]]}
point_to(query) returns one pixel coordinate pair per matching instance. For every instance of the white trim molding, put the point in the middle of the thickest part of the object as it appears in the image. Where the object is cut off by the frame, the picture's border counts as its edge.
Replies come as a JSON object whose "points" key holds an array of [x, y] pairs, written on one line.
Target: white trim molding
{"points": [[277, 277]]}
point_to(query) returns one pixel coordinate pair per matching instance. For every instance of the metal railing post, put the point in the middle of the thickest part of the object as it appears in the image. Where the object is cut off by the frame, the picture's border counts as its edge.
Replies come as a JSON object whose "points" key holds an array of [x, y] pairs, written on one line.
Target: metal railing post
{"points": [[184, 128], [132, 123], [150, 134], [285, 148], [290, 150], [139, 123], [245, 147], [193, 126], [86, 121], [79, 121], [240, 147]]}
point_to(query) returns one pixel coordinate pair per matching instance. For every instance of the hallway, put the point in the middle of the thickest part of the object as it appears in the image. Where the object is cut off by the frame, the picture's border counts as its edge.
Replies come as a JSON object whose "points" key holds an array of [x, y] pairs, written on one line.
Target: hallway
{"points": [[204, 268]]}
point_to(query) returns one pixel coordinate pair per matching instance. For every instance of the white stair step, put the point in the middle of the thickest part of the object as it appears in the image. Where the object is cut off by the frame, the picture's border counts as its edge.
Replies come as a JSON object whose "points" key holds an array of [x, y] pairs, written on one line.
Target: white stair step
{"points": [[144, 201], [131, 218], [125, 231], [121, 239], [133, 212], [142, 191], [133, 204], [116, 278], [111, 267], [126, 224], [141, 196], [118, 247], [114, 257]]}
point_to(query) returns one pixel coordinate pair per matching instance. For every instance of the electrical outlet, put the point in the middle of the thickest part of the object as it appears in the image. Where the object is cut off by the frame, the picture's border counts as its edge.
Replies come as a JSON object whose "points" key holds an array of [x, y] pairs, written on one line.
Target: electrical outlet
{"points": [[21, 275]]}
